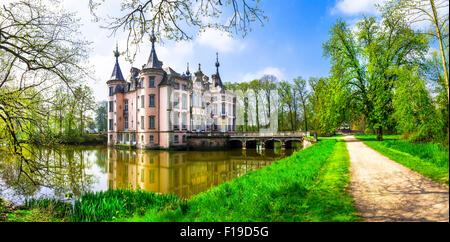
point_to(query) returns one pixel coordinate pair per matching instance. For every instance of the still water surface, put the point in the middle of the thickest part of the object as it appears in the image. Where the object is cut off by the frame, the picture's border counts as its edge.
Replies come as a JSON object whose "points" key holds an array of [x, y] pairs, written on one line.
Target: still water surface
{"points": [[78, 169]]}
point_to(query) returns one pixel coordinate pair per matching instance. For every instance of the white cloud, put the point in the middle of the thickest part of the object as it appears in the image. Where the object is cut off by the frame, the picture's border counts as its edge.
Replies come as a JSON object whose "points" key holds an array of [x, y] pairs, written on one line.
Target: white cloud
{"points": [[353, 7], [175, 55], [266, 71], [219, 40]]}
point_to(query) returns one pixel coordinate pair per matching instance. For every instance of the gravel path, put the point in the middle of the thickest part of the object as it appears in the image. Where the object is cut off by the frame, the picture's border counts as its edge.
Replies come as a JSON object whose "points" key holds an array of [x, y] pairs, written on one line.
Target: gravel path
{"points": [[384, 190]]}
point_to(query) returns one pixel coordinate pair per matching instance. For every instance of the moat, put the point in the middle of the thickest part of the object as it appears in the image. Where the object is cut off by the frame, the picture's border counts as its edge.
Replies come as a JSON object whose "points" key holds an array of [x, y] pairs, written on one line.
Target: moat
{"points": [[73, 170]]}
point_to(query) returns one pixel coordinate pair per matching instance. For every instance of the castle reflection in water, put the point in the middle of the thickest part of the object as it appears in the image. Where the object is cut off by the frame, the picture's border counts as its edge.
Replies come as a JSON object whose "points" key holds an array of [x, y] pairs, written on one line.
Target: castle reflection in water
{"points": [[184, 173]]}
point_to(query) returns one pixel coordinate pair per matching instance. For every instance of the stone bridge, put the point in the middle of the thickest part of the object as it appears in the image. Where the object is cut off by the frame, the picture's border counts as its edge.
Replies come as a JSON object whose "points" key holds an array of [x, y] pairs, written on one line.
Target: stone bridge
{"points": [[203, 140], [266, 139]]}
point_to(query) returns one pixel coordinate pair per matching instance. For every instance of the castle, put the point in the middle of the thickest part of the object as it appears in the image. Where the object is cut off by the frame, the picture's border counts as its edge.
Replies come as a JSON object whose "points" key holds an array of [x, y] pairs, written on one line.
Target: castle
{"points": [[157, 107]]}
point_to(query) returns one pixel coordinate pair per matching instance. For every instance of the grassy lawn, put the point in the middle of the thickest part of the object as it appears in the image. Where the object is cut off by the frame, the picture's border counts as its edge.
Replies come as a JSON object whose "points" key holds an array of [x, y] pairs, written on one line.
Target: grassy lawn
{"points": [[428, 159], [310, 185]]}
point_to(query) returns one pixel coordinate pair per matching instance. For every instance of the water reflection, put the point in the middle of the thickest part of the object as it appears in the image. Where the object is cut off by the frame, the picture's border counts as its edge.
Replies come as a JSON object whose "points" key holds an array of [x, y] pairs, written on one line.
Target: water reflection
{"points": [[183, 173], [78, 169], [48, 172]]}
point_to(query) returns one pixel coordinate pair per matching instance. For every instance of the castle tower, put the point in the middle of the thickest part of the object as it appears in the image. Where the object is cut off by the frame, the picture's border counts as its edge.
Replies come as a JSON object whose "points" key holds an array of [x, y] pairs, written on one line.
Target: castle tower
{"points": [[115, 93]]}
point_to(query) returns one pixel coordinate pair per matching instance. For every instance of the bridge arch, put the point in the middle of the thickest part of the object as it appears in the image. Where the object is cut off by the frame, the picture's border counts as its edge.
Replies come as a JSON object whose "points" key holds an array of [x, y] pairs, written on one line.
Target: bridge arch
{"points": [[235, 144], [293, 143], [270, 143], [251, 144]]}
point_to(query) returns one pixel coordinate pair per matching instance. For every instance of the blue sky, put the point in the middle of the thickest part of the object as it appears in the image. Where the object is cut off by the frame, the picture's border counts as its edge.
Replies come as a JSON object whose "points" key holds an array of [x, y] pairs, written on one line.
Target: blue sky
{"points": [[288, 45]]}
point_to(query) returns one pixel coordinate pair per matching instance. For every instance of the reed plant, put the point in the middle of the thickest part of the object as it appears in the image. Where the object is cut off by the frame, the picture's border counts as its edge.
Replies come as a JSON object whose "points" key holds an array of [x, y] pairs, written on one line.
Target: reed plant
{"points": [[113, 204]]}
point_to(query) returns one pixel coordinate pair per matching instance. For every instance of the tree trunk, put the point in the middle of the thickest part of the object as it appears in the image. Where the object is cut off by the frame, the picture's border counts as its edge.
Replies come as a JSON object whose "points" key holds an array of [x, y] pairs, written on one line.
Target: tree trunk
{"points": [[380, 133], [444, 63]]}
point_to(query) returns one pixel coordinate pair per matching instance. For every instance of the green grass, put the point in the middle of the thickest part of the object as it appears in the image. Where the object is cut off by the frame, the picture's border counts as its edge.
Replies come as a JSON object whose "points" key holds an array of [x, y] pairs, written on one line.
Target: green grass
{"points": [[307, 186], [331, 199], [428, 159], [113, 204]]}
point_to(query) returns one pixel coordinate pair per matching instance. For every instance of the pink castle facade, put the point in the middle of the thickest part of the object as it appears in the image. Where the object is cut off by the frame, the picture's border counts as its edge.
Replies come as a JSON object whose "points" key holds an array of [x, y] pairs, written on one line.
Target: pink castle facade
{"points": [[157, 108]]}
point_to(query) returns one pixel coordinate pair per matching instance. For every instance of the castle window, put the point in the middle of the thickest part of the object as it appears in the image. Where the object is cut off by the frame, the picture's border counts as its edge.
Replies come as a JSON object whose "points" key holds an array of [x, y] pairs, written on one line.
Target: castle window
{"points": [[151, 81], [126, 123], [151, 100], [110, 124], [176, 100], [151, 122], [142, 101], [111, 107], [184, 87], [142, 122], [111, 91], [175, 139], [184, 139], [184, 101], [176, 85], [223, 108], [184, 121], [152, 139]]}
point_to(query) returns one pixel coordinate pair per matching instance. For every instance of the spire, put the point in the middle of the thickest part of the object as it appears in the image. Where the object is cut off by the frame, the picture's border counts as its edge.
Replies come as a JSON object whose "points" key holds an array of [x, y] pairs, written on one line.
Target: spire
{"points": [[117, 73], [187, 71], [217, 63], [218, 81], [199, 67], [153, 61]]}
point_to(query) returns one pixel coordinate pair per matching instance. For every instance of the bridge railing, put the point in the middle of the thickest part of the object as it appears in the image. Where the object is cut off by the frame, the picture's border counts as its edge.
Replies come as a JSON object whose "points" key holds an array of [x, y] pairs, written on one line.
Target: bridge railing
{"points": [[269, 134]]}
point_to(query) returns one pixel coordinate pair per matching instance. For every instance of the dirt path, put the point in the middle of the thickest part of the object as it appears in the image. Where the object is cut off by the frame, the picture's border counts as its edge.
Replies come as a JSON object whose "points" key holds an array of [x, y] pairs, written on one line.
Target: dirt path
{"points": [[387, 191]]}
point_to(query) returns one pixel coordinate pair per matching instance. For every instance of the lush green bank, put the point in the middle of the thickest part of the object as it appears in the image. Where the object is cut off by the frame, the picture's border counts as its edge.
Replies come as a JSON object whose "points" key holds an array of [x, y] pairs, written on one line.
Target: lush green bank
{"points": [[310, 185], [428, 159]]}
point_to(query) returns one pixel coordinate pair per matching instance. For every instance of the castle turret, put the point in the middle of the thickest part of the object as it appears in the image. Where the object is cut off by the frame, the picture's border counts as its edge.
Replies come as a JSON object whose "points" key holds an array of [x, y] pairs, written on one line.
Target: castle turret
{"points": [[216, 77], [115, 87], [153, 62]]}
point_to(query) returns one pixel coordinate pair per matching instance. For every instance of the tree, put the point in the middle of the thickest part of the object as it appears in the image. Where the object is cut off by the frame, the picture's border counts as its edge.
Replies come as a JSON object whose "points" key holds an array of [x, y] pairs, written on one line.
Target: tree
{"points": [[431, 11], [255, 86], [40, 49], [243, 87], [364, 62], [268, 84], [414, 109], [174, 19], [317, 98], [286, 99], [85, 102], [300, 86], [101, 116]]}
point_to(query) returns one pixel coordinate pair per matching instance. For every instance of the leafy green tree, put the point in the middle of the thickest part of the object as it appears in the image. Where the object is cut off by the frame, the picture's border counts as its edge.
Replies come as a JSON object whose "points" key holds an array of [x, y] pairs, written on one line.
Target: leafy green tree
{"points": [[300, 86], [101, 116], [268, 85], [436, 14], [256, 87], [40, 49], [364, 63], [414, 109]]}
